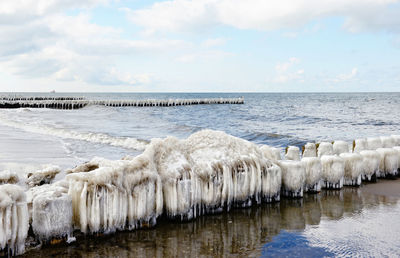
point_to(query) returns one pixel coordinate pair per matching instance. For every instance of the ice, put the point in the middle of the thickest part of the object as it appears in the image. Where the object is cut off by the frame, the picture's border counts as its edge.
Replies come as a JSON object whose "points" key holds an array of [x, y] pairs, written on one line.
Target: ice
{"points": [[122, 194], [360, 145], [310, 150], [44, 176], [340, 147], [313, 173], [325, 148], [397, 148], [389, 162], [388, 141], [292, 153], [374, 143], [8, 177], [396, 140], [332, 171], [371, 160], [14, 219], [51, 211], [271, 153], [353, 168], [293, 177]]}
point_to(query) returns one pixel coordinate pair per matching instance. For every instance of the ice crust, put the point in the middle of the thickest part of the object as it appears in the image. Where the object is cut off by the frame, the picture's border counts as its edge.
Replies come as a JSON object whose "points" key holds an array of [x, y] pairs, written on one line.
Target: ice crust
{"points": [[325, 148], [208, 172], [313, 169], [310, 150], [340, 147], [14, 219], [292, 153], [353, 168]]}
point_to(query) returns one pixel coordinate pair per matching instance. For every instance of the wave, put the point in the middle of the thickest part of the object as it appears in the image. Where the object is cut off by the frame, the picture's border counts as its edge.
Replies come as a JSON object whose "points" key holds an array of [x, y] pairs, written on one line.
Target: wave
{"points": [[124, 142]]}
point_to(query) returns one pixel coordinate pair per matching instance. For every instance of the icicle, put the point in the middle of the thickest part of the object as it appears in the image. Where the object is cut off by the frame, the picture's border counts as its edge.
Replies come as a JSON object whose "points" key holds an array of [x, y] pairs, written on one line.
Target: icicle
{"points": [[293, 178], [332, 171], [313, 173], [353, 168]]}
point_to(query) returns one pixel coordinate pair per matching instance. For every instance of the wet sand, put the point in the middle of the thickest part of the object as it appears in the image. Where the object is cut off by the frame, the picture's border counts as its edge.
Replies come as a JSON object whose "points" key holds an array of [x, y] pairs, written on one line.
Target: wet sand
{"points": [[384, 187]]}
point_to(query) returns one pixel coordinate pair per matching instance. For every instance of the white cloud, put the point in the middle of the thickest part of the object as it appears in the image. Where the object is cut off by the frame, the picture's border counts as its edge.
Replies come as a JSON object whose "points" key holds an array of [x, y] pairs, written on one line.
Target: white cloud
{"points": [[288, 71], [194, 15], [346, 76], [203, 56]]}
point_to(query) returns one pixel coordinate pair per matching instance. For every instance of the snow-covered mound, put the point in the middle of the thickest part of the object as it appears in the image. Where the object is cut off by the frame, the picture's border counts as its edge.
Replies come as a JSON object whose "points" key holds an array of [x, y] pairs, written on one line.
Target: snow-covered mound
{"points": [[44, 176], [8, 177]]}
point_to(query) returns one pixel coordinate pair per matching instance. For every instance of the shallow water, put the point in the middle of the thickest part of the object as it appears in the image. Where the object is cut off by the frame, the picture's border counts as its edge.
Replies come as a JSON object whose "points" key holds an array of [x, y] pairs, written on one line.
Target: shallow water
{"points": [[349, 222]]}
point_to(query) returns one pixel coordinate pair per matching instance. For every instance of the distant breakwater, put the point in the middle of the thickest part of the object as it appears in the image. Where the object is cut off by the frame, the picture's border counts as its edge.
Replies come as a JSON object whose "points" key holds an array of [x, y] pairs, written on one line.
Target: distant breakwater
{"points": [[78, 102]]}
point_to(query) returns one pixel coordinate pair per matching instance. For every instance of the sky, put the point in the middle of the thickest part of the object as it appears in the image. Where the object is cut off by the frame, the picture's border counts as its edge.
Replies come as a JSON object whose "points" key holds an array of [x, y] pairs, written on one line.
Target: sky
{"points": [[200, 45]]}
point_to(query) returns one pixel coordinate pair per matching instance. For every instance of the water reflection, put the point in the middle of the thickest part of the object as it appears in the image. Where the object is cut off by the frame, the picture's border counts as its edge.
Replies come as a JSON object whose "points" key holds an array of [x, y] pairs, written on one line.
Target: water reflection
{"points": [[241, 232]]}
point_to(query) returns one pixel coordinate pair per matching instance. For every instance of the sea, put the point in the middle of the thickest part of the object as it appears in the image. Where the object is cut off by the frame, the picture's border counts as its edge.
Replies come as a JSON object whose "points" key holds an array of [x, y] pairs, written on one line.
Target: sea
{"points": [[349, 222]]}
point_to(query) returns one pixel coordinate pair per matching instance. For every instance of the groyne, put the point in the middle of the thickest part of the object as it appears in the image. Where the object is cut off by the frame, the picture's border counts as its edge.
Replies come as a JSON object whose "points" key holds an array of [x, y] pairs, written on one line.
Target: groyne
{"points": [[180, 179], [78, 102]]}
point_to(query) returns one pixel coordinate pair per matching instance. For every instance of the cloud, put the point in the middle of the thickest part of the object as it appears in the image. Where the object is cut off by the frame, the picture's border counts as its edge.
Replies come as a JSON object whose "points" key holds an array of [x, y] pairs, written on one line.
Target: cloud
{"points": [[285, 72], [197, 15], [344, 77], [71, 48]]}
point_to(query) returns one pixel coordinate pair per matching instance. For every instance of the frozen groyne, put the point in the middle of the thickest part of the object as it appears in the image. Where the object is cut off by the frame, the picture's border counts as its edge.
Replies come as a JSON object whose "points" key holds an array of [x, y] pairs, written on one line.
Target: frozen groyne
{"points": [[178, 179], [76, 103]]}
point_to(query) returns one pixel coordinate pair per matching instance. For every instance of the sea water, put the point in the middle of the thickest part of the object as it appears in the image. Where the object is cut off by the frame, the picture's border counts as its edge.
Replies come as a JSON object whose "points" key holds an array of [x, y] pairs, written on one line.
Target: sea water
{"points": [[33, 137]]}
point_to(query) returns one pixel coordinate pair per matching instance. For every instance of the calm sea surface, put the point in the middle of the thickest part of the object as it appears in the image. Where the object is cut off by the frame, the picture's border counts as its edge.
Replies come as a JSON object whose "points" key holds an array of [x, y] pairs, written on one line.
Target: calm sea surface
{"points": [[348, 222]]}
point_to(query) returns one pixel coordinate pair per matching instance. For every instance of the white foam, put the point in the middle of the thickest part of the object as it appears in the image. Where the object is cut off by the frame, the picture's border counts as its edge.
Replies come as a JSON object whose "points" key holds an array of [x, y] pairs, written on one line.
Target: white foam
{"points": [[124, 142]]}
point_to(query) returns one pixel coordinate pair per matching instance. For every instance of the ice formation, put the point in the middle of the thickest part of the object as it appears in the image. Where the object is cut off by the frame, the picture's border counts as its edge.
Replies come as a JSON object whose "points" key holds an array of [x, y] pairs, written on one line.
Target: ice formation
{"points": [[374, 143], [44, 176], [360, 145], [325, 148], [7, 177], [396, 140], [271, 153], [389, 162], [14, 219], [120, 194], [332, 171], [292, 153], [387, 142], [353, 168], [371, 160], [397, 148], [210, 171], [340, 147], [293, 177], [313, 173], [50, 211], [310, 150]]}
